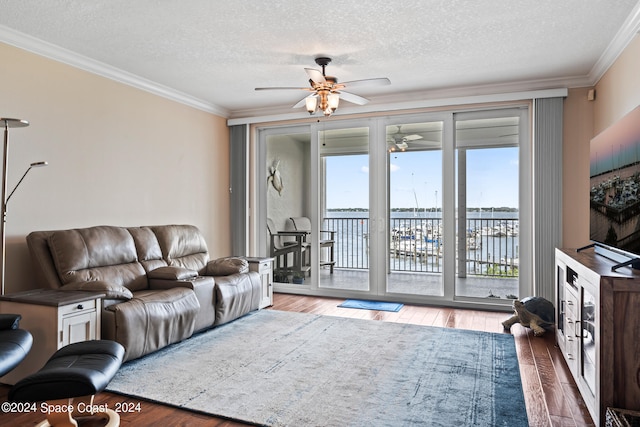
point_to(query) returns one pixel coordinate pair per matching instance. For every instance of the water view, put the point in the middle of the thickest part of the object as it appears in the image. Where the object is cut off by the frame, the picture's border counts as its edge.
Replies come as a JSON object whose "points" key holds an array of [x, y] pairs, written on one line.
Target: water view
{"points": [[491, 242]]}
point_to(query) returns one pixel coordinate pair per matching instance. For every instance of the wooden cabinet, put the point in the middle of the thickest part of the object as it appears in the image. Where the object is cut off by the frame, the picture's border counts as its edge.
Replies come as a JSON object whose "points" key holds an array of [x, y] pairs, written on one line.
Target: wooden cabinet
{"points": [[55, 319], [264, 267], [598, 329]]}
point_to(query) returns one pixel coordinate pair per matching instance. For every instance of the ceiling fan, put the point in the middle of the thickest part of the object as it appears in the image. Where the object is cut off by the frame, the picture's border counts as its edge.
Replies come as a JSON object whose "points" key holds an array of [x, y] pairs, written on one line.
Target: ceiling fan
{"points": [[400, 139], [327, 92]]}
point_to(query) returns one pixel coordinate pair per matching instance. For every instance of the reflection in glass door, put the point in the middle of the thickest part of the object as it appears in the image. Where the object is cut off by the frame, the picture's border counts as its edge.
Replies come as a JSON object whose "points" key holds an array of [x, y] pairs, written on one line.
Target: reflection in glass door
{"points": [[414, 164], [286, 168], [487, 224], [344, 208]]}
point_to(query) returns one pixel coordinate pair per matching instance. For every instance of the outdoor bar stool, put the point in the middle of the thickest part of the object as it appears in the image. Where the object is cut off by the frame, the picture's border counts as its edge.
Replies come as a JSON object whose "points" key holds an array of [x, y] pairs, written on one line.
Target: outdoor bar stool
{"points": [[70, 379]]}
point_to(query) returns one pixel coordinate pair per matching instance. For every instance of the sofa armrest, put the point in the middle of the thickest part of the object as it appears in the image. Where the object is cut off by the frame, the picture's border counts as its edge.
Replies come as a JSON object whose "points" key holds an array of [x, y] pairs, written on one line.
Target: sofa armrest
{"points": [[9, 321], [110, 290], [172, 273], [227, 266]]}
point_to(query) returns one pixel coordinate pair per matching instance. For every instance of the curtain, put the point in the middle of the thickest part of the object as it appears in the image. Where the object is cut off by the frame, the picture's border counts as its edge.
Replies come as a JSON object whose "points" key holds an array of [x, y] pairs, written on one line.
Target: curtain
{"points": [[547, 190], [238, 168]]}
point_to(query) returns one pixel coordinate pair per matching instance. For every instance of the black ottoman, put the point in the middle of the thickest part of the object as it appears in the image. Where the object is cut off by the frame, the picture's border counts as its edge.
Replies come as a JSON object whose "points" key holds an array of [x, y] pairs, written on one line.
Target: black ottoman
{"points": [[15, 343], [70, 379]]}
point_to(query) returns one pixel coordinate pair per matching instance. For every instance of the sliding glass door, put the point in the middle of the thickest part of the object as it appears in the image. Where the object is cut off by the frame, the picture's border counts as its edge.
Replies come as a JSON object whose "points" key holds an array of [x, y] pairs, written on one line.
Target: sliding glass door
{"points": [[420, 208], [487, 204], [344, 208], [415, 231], [285, 163]]}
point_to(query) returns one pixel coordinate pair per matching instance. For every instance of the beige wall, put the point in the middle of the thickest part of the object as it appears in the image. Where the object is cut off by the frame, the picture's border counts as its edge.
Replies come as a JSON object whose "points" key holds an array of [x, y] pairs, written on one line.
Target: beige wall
{"points": [[577, 132], [617, 93], [117, 155]]}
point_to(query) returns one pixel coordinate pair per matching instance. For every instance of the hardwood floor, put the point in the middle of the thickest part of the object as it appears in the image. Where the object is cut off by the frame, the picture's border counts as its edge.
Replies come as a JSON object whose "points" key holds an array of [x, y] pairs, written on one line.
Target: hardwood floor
{"points": [[551, 395]]}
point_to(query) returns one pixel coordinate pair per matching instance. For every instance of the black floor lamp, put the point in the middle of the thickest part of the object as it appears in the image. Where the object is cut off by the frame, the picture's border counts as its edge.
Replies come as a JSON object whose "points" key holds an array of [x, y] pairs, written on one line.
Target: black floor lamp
{"points": [[9, 123]]}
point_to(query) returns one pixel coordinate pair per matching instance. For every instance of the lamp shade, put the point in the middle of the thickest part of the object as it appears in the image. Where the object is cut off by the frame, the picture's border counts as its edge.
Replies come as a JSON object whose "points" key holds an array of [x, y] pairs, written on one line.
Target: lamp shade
{"points": [[13, 123], [311, 103], [334, 100]]}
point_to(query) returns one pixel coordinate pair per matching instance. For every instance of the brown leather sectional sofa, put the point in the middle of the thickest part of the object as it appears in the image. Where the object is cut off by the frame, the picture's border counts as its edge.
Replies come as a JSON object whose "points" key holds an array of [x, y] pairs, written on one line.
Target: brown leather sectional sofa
{"points": [[159, 282]]}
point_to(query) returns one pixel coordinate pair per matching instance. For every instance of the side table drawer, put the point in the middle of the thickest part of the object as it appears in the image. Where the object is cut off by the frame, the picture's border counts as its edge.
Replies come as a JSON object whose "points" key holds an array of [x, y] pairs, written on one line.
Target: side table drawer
{"points": [[264, 267], [77, 308]]}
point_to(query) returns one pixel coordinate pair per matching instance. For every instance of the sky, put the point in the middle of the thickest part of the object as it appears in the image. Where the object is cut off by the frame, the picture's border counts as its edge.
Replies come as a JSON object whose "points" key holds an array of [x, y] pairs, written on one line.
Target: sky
{"points": [[416, 179]]}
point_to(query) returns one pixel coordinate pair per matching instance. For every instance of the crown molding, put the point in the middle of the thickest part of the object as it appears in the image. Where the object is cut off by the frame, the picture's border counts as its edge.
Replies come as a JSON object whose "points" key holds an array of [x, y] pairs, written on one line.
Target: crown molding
{"points": [[406, 105], [625, 35], [65, 56]]}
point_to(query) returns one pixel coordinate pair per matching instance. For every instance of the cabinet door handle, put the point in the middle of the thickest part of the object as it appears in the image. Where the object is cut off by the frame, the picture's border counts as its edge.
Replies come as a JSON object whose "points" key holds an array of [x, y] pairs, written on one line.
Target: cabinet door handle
{"points": [[575, 329], [80, 307]]}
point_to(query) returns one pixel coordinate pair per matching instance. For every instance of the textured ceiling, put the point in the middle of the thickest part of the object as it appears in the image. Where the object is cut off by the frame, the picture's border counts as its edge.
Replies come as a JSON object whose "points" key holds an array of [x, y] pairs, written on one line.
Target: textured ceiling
{"points": [[219, 51]]}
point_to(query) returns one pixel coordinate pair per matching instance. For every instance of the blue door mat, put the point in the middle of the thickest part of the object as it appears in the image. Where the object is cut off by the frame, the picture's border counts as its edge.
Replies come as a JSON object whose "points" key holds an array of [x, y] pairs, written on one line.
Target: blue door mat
{"points": [[371, 305]]}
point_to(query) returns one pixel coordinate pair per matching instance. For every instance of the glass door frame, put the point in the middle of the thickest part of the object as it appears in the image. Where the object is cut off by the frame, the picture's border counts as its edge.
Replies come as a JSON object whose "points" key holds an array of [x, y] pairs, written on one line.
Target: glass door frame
{"points": [[262, 186], [525, 193], [379, 202], [446, 118]]}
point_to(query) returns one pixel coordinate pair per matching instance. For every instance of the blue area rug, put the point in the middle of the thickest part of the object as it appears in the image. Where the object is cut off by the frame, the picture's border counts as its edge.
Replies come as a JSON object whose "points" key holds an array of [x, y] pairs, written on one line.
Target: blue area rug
{"points": [[371, 305], [285, 369]]}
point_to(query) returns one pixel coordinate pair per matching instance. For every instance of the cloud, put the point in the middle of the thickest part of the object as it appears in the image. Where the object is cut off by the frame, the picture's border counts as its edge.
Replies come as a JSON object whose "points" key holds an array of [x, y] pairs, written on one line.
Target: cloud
{"points": [[364, 169]]}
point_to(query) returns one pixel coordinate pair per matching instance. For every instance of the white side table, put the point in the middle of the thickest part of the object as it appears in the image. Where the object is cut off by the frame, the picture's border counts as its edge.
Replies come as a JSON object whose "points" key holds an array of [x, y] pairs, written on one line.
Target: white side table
{"points": [[264, 267], [55, 318]]}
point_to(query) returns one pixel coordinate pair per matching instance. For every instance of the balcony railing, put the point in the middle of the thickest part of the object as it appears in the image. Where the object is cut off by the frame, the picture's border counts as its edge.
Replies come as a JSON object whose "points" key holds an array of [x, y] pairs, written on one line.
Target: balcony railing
{"points": [[486, 246]]}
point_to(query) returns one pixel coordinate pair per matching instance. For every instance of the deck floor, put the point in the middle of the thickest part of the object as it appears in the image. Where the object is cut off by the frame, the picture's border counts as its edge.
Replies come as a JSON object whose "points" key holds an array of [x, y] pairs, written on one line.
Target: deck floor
{"points": [[419, 283]]}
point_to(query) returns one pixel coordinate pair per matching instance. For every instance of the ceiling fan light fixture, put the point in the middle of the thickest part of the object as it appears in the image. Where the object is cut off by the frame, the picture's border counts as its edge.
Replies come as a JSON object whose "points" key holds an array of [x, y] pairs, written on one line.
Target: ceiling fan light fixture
{"points": [[326, 91], [326, 100], [311, 102], [333, 101]]}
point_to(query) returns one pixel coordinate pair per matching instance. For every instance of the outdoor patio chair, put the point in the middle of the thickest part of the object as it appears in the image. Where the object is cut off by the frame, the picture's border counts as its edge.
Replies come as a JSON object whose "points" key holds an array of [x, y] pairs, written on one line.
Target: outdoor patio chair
{"points": [[280, 248], [327, 241]]}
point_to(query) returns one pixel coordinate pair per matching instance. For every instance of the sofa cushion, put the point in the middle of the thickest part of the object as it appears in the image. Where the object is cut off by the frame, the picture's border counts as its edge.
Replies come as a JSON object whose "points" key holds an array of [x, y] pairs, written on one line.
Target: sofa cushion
{"points": [[182, 246], [147, 247], [97, 253]]}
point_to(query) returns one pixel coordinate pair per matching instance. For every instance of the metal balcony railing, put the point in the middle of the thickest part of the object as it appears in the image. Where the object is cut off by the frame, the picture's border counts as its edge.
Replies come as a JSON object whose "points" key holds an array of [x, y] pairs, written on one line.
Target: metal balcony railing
{"points": [[489, 247]]}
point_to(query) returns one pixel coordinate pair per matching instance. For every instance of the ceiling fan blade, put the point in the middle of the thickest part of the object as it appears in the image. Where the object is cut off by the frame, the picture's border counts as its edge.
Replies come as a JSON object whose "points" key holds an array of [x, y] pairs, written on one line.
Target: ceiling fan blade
{"points": [[302, 102], [412, 137], [356, 99], [382, 81], [315, 75], [282, 88]]}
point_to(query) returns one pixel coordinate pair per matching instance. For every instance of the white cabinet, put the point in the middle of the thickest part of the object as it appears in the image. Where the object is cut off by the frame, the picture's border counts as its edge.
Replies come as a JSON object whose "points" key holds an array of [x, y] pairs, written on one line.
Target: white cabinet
{"points": [[598, 329], [264, 267], [55, 319]]}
